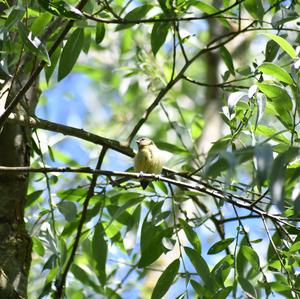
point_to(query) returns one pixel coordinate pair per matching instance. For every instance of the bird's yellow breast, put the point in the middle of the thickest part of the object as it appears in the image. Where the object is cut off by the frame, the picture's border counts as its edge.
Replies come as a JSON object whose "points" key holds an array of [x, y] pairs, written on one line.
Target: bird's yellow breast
{"points": [[148, 160]]}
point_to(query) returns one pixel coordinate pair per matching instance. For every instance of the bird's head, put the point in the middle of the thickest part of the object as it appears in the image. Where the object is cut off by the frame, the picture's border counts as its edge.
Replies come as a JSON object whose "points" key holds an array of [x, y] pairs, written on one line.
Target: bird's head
{"points": [[144, 142]]}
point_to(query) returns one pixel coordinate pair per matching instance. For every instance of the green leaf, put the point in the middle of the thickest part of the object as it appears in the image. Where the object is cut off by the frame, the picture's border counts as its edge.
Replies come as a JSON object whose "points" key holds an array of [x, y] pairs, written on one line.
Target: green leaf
{"points": [[33, 44], [118, 212], [271, 133], [275, 92], [40, 23], [70, 53], [280, 101], [261, 101], [99, 250], [235, 97], [14, 17], [226, 56], [222, 269], [68, 209], [136, 14], [295, 247], [72, 194], [264, 160], [37, 246], [61, 8], [284, 44], [209, 9], [199, 265], [165, 280], [191, 235], [220, 246], [251, 256], [223, 294], [171, 147], [205, 7], [161, 186], [152, 248], [32, 197], [255, 8], [197, 287], [247, 286], [276, 72], [283, 16], [271, 50], [158, 36], [81, 275], [278, 175], [100, 32]]}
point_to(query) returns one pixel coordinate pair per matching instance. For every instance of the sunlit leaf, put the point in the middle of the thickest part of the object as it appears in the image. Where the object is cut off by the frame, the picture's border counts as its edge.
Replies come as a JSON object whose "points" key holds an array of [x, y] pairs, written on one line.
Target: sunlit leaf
{"points": [[37, 246], [165, 280], [283, 43], [277, 72]]}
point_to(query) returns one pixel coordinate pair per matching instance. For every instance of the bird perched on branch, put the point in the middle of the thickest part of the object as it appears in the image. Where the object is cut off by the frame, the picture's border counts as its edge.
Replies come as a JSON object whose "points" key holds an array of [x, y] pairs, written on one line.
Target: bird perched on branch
{"points": [[148, 159]]}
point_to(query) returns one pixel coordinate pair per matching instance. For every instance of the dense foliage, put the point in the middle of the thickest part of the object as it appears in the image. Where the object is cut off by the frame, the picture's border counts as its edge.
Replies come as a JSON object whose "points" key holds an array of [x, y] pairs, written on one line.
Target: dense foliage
{"points": [[216, 224]]}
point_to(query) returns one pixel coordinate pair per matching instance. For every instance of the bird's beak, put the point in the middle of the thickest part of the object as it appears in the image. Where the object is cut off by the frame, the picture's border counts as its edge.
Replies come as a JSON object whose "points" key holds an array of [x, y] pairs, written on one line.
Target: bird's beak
{"points": [[138, 142]]}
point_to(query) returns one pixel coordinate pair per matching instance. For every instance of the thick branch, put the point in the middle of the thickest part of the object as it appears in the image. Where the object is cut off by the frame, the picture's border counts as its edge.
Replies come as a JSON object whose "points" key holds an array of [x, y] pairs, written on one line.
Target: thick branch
{"points": [[70, 131]]}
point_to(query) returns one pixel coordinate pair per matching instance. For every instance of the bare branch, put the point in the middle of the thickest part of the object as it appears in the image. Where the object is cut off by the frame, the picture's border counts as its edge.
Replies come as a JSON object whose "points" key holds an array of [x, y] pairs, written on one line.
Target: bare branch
{"points": [[38, 123]]}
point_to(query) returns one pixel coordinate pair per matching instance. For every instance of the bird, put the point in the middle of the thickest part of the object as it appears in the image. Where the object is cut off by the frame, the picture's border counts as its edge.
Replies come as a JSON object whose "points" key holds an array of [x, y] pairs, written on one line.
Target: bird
{"points": [[148, 159]]}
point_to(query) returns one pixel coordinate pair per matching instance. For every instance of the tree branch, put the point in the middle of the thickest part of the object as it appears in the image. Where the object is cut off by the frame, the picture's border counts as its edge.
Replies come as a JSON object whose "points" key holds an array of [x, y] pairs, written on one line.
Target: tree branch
{"points": [[240, 201], [38, 123]]}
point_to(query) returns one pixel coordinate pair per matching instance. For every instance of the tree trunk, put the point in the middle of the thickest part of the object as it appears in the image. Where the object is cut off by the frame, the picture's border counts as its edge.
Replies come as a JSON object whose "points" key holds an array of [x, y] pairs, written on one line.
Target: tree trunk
{"points": [[15, 242]]}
